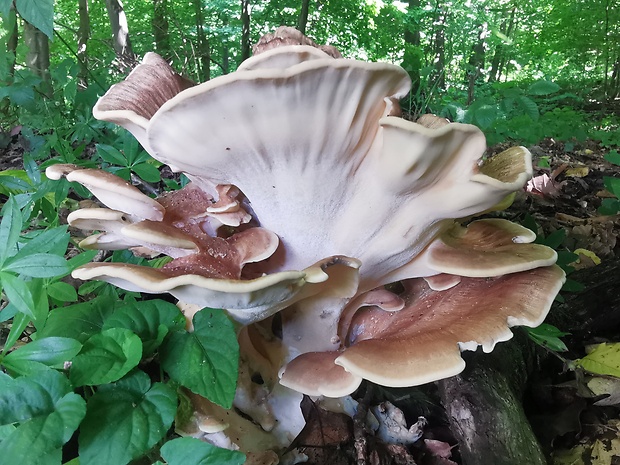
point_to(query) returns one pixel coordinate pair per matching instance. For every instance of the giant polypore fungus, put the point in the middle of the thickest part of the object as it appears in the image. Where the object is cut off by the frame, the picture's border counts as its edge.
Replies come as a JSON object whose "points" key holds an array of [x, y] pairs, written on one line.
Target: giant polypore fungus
{"points": [[329, 198]]}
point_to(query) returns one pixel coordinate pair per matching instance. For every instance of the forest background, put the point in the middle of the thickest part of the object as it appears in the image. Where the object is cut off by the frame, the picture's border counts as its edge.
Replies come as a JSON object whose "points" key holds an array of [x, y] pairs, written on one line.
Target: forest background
{"points": [[520, 70]]}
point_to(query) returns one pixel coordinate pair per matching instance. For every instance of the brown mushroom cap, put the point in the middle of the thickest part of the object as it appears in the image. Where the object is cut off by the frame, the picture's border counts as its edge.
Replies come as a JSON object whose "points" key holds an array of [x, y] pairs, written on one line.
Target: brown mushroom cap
{"points": [[422, 342]]}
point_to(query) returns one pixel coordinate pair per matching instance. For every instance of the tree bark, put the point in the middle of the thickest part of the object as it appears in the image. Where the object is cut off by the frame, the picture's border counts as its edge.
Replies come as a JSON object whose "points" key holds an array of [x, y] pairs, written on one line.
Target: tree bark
{"points": [[440, 47], [11, 43], [245, 30], [82, 40], [125, 58], [412, 58], [303, 16], [483, 403], [161, 27], [484, 407], [38, 57], [475, 65], [203, 46]]}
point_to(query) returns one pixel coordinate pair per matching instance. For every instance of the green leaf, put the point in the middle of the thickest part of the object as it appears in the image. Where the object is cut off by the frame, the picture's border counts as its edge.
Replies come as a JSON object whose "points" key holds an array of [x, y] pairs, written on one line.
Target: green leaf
{"points": [[613, 157], [106, 357], [27, 397], [191, 451], [79, 321], [44, 434], [485, 116], [18, 293], [612, 185], [147, 172], [125, 420], [553, 240], [61, 291], [572, 286], [543, 88], [111, 155], [529, 107], [20, 321], [603, 360], [206, 360], [10, 228], [49, 351], [39, 265], [54, 240], [39, 13], [548, 336], [151, 320], [609, 207]]}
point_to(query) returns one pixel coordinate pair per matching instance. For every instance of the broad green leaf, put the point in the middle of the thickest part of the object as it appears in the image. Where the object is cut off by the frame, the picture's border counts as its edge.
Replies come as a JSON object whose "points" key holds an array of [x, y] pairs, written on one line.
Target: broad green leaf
{"points": [[82, 258], [572, 286], [10, 228], [543, 88], [106, 357], [191, 451], [529, 107], [79, 321], [44, 434], [206, 360], [151, 320], [50, 351], [612, 185], [39, 13], [18, 293], [147, 172], [38, 265], [553, 240], [125, 420], [27, 397], [485, 116], [64, 292], [603, 360], [613, 157]]}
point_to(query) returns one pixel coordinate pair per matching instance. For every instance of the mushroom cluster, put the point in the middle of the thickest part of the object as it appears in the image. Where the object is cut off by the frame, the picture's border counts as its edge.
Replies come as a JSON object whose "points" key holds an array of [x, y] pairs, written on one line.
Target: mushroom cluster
{"points": [[335, 232]]}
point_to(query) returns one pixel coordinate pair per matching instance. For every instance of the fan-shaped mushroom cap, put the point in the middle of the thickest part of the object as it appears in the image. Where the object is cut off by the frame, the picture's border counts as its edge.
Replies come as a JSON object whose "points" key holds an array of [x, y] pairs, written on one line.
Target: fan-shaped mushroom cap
{"points": [[422, 342]]}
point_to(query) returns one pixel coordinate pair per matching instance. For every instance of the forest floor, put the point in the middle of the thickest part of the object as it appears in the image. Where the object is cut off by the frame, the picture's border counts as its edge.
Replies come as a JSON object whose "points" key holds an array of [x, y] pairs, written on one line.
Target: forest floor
{"points": [[565, 193]]}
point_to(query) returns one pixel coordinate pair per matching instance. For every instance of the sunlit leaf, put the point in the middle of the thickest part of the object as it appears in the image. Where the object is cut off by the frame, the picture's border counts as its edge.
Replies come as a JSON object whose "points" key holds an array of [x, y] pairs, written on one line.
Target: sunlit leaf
{"points": [[191, 451], [603, 360]]}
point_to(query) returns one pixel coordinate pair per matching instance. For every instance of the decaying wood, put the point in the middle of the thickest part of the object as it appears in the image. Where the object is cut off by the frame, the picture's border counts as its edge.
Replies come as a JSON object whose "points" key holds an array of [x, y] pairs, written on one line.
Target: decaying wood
{"points": [[484, 404]]}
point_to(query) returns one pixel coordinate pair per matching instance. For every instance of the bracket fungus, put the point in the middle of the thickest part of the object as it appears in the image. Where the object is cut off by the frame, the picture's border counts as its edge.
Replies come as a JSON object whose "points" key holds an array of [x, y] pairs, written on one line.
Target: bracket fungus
{"points": [[330, 198]]}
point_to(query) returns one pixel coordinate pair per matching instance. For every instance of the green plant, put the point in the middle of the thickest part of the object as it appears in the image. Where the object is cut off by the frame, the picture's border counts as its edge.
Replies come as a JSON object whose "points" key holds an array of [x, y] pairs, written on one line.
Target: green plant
{"points": [[611, 206]]}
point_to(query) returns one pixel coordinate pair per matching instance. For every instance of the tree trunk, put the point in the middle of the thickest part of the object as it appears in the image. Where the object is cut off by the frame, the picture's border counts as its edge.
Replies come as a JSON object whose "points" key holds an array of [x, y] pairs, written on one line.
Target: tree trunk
{"points": [[499, 48], [203, 47], [483, 403], [11, 43], [125, 58], [38, 57], [440, 48], [484, 407], [160, 27], [412, 59], [245, 30], [82, 40], [303, 16], [475, 65]]}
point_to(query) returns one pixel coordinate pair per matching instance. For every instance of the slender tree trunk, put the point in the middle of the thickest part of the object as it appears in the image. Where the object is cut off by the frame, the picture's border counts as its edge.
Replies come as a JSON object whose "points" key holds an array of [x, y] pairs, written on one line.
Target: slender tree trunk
{"points": [[125, 58], [303, 16], [160, 27], [82, 39], [245, 30], [509, 32], [475, 65], [607, 63], [203, 46], [499, 49], [440, 47], [412, 58], [11, 43], [38, 57]]}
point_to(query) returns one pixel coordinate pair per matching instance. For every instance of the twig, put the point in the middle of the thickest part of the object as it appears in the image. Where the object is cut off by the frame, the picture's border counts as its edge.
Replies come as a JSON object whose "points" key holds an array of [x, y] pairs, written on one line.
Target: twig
{"points": [[359, 427]]}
